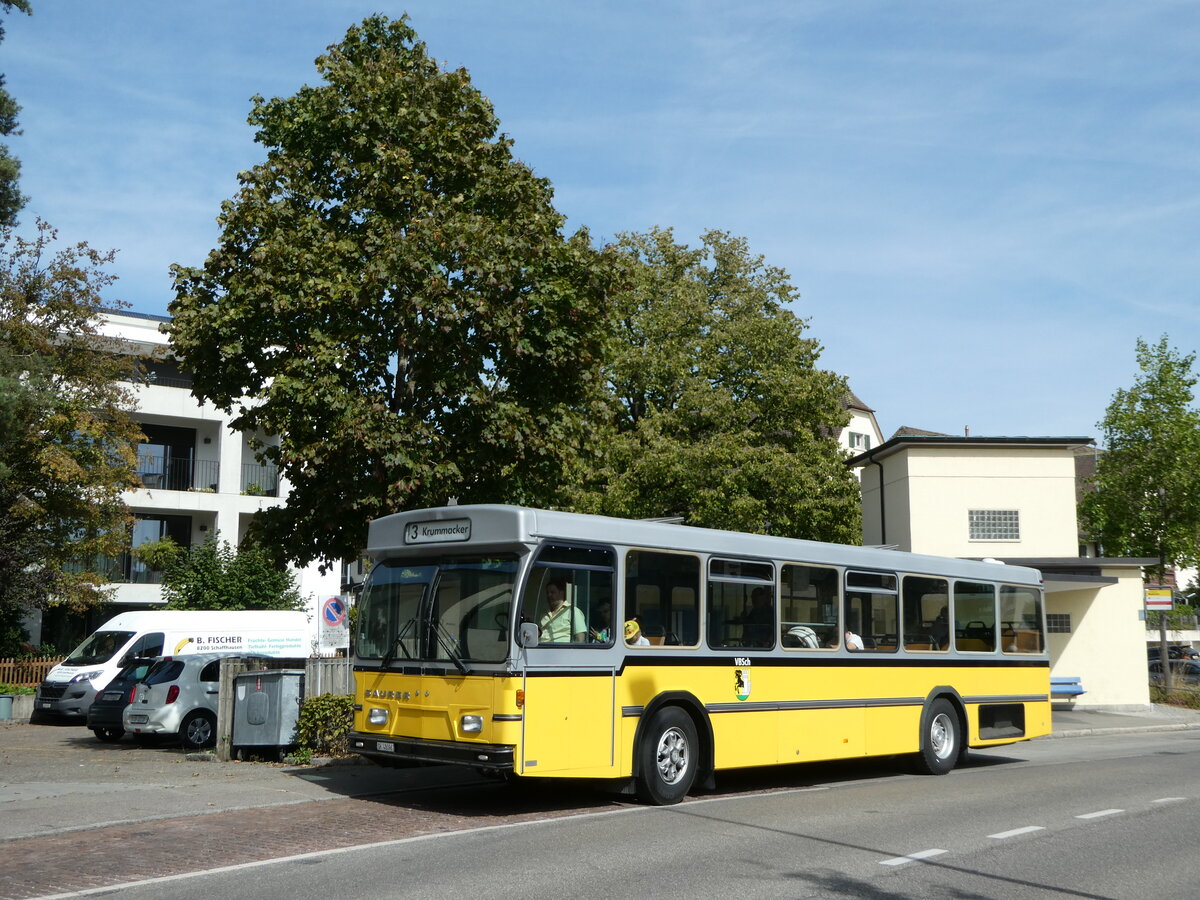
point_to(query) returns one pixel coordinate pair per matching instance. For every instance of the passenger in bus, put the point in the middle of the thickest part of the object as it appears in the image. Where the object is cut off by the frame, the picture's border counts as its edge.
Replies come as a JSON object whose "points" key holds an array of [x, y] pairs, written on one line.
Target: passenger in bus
{"points": [[562, 623], [939, 630], [853, 641], [601, 630], [759, 620], [634, 636]]}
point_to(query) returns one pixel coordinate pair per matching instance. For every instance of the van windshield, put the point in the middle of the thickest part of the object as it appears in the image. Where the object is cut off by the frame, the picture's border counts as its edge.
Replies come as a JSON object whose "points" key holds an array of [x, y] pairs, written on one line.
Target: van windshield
{"points": [[99, 648]]}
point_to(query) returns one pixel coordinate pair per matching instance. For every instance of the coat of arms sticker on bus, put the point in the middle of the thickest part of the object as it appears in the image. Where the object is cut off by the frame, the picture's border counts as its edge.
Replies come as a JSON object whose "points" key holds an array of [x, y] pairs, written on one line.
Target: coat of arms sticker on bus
{"points": [[741, 683]]}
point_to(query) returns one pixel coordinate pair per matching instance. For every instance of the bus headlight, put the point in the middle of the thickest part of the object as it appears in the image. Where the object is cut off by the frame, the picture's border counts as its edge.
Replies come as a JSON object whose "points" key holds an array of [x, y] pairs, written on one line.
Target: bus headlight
{"points": [[472, 724], [377, 715]]}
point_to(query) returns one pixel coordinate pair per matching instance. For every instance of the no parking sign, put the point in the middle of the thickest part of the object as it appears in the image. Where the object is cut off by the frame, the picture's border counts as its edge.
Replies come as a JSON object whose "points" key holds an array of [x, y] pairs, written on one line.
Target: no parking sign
{"points": [[334, 629]]}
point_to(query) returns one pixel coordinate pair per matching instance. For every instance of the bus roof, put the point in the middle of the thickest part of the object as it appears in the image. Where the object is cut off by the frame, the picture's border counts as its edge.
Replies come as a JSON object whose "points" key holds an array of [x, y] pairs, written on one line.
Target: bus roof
{"points": [[494, 526]]}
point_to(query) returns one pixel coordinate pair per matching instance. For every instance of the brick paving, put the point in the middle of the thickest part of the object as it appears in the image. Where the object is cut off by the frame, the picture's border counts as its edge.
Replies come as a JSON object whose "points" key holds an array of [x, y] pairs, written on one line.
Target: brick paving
{"points": [[116, 854]]}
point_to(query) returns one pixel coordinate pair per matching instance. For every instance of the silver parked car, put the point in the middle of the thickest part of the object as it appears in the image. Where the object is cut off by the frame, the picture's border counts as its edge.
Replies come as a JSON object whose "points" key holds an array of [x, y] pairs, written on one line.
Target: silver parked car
{"points": [[178, 696]]}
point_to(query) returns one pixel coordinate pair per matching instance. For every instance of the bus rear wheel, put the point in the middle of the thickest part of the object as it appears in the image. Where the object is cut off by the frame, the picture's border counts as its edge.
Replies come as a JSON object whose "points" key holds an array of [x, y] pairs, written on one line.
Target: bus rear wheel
{"points": [[941, 739], [667, 757]]}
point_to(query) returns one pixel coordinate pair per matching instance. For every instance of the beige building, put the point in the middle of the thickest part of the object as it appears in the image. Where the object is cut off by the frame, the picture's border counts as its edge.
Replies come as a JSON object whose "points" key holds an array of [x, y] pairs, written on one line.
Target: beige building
{"points": [[1013, 499]]}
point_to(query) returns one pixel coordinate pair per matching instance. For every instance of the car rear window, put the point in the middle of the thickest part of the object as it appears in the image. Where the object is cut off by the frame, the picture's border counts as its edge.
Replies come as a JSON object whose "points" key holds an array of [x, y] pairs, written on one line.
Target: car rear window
{"points": [[164, 671]]}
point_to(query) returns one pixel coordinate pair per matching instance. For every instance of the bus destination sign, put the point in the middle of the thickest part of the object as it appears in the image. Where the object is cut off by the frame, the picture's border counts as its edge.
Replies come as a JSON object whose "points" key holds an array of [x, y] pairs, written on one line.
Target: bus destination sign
{"points": [[437, 532]]}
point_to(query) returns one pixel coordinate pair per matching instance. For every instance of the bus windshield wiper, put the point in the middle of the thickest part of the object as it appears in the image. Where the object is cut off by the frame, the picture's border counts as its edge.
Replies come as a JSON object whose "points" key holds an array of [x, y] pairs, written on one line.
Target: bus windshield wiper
{"points": [[398, 643], [446, 642]]}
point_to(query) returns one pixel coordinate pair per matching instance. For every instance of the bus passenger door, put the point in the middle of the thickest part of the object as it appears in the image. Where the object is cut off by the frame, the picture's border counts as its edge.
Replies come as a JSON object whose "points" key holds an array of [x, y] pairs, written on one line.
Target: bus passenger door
{"points": [[568, 722]]}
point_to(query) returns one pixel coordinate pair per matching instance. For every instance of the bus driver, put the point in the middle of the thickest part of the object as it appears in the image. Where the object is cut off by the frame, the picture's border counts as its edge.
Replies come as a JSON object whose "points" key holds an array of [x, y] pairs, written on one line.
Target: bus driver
{"points": [[562, 623]]}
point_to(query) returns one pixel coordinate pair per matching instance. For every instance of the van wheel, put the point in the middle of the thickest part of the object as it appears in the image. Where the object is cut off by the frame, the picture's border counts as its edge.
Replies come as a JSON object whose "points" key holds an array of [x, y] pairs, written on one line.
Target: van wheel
{"points": [[941, 739], [199, 730], [109, 735], [667, 757]]}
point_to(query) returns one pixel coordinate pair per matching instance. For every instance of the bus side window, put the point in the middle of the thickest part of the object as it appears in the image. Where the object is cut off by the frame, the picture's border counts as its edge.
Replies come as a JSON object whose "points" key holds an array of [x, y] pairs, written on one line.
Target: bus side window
{"points": [[872, 609], [569, 596], [741, 604], [662, 593], [975, 616], [1021, 612], [926, 613], [808, 600]]}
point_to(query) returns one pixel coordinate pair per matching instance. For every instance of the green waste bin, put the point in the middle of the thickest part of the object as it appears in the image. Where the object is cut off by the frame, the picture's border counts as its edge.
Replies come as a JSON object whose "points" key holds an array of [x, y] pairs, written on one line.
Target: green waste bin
{"points": [[6, 702]]}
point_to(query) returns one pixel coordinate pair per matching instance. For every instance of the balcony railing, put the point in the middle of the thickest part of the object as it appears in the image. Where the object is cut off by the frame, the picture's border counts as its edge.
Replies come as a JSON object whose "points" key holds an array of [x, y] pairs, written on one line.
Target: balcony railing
{"points": [[260, 480], [123, 569], [158, 473]]}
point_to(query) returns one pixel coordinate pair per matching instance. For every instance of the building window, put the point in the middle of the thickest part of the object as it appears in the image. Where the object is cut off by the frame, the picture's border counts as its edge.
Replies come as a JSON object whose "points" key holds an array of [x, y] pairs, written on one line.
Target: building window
{"points": [[1058, 623], [994, 524], [860, 441]]}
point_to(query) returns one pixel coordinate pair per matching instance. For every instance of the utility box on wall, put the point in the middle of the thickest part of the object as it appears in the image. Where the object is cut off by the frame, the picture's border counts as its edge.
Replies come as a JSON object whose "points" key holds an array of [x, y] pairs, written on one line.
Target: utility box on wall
{"points": [[266, 707]]}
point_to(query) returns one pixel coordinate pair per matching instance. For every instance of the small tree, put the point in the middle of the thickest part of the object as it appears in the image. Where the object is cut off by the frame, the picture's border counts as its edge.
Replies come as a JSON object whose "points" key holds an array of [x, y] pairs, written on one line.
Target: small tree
{"points": [[719, 413], [213, 575], [67, 436], [1146, 497]]}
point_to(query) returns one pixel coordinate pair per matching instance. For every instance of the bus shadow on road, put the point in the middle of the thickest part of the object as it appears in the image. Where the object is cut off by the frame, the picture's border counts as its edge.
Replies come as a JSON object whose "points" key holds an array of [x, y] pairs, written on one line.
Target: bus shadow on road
{"points": [[803, 776], [460, 791]]}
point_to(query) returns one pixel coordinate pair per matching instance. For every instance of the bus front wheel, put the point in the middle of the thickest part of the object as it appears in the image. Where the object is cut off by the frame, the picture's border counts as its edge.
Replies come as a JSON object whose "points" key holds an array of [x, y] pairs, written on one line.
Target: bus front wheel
{"points": [[667, 757], [941, 739]]}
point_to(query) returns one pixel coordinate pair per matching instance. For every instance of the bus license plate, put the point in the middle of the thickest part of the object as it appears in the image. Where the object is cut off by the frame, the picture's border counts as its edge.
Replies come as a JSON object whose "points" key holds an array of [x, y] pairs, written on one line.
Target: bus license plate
{"points": [[385, 746]]}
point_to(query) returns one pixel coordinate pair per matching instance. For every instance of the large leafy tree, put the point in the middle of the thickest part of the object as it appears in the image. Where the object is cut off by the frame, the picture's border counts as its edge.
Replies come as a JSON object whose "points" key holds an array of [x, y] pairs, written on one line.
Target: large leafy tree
{"points": [[720, 414], [11, 199], [395, 291], [1146, 497], [66, 434]]}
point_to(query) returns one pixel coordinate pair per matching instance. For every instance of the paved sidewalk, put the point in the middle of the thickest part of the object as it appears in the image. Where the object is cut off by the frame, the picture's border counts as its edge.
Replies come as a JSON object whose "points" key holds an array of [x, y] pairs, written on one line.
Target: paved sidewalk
{"points": [[1072, 722]]}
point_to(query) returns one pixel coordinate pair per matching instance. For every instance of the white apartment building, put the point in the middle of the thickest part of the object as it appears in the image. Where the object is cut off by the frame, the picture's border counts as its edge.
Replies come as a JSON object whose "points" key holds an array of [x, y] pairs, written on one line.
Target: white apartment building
{"points": [[199, 477]]}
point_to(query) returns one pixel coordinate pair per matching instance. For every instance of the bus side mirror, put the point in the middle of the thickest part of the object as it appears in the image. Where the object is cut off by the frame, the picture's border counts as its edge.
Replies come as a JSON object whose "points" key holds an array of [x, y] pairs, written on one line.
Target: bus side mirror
{"points": [[527, 635]]}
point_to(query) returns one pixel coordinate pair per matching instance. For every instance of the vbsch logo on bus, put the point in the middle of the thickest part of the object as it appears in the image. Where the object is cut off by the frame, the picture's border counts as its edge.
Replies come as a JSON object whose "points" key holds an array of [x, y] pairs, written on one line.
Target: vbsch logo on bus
{"points": [[741, 683]]}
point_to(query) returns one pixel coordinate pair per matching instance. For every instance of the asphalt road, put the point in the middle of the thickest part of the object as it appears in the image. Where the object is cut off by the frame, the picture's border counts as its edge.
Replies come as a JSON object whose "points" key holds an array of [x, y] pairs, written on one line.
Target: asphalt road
{"points": [[1100, 817], [1110, 816]]}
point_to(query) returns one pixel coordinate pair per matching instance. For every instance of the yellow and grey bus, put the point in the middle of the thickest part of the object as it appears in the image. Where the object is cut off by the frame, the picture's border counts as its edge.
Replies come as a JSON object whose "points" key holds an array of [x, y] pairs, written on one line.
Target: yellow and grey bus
{"points": [[533, 643]]}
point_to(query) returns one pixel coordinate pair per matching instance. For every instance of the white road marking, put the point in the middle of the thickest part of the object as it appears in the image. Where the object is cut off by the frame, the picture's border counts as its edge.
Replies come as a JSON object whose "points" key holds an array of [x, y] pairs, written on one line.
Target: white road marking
{"points": [[1028, 829], [912, 857], [1169, 800], [1103, 812]]}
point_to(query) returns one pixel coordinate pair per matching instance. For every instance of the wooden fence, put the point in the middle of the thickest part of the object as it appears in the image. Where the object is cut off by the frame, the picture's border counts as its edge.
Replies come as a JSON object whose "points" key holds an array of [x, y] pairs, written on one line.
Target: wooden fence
{"points": [[322, 676], [29, 671]]}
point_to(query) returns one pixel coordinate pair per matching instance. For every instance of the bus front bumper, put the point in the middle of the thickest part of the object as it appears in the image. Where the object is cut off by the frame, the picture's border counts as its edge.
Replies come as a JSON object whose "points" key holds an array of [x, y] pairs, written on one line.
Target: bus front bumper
{"points": [[498, 757]]}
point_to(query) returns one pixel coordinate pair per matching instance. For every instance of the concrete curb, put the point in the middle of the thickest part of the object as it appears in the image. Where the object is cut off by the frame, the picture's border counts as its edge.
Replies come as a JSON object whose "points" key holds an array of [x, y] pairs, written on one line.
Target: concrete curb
{"points": [[1124, 729]]}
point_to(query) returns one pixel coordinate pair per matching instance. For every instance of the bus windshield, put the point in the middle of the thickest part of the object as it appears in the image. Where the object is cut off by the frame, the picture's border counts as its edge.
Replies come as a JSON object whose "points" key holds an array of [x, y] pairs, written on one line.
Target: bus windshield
{"points": [[437, 610]]}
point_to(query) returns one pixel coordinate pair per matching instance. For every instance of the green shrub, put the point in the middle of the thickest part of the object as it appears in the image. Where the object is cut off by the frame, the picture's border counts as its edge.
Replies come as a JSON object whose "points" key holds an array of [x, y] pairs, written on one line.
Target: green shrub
{"points": [[324, 724], [1181, 696], [6, 688]]}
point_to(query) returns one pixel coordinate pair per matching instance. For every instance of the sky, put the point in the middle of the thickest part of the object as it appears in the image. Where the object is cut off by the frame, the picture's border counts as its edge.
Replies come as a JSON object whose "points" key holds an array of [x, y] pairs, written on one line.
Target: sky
{"points": [[982, 205]]}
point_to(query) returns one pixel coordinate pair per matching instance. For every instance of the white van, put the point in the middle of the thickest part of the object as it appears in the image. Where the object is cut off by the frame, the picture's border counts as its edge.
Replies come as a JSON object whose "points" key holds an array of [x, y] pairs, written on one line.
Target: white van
{"points": [[71, 686]]}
